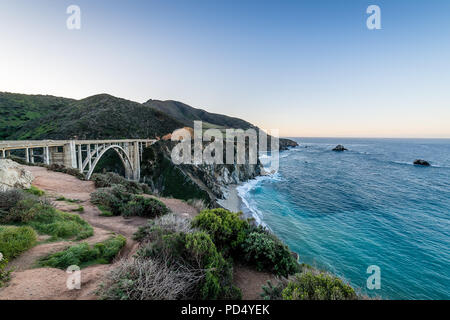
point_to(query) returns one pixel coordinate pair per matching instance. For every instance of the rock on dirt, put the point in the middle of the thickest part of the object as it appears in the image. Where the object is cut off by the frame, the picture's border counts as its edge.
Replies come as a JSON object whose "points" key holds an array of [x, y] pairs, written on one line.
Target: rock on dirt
{"points": [[13, 175]]}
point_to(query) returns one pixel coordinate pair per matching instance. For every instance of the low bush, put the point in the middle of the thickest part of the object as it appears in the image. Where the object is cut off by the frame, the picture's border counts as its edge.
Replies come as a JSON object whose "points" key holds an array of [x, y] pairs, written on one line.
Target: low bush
{"points": [[10, 198], [109, 179], [149, 279], [274, 292], [267, 252], [5, 275], [105, 211], [35, 191], [21, 208], [68, 200], [170, 223], [15, 240], [144, 207], [312, 285], [21, 212], [172, 240], [114, 198], [227, 229], [78, 209], [47, 220], [118, 201], [83, 254]]}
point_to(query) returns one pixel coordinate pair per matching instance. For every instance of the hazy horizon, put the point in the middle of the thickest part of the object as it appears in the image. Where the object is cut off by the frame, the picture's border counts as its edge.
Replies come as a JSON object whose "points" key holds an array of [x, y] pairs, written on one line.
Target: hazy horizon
{"points": [[307, 68]]}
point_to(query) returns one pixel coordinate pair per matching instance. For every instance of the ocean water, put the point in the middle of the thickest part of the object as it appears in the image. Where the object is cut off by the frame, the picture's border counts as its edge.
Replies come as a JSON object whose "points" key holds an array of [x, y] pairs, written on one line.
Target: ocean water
{"points": [[343, 212]]}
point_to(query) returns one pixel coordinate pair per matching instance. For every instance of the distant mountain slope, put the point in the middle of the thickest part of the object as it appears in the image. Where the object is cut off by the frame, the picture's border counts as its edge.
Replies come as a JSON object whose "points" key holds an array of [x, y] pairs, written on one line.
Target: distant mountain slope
{"points": [[18, 109], [97, 117], [187, 115]]}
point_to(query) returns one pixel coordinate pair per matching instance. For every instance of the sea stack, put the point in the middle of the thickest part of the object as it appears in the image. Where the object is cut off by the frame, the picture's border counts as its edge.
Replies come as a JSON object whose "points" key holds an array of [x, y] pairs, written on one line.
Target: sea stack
{"points": [[339, 148], [420, 162]]}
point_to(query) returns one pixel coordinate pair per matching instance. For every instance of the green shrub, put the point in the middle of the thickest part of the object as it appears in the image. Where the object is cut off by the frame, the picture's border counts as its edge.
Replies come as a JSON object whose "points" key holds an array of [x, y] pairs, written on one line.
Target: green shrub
{"points": [[170, 223], [219, 273], [37, 213], [227, 229], [35, 191], [119, 201], [79, 209], [114, 198], [21, 212], [196, 251], [15, 240], [68, 200], [144, 207], [109, 179], [267, 252], [47, 220], [83, 254], [5, 275], [59, 224], [273, 292], [105, 212], [318, 286], [10, 198]]}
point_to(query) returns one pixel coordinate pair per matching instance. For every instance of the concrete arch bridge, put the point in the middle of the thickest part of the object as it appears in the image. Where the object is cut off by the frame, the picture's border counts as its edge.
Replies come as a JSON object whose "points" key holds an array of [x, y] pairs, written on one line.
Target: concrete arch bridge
{"points": [[81, 154]]}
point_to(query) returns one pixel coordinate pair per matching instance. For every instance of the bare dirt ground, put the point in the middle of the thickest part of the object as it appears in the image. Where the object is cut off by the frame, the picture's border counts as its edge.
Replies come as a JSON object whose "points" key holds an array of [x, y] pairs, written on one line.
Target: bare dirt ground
{"points": [[250, 281], [30, 283]]}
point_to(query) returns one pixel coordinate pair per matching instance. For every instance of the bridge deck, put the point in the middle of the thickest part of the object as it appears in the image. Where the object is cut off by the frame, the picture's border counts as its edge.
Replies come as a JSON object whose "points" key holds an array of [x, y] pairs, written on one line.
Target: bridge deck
{"points": [[23, 144]]}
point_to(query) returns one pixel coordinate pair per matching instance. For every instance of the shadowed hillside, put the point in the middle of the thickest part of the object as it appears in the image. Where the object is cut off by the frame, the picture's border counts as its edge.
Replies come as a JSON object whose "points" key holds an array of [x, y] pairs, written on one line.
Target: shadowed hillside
{"points": [[187, 115]]}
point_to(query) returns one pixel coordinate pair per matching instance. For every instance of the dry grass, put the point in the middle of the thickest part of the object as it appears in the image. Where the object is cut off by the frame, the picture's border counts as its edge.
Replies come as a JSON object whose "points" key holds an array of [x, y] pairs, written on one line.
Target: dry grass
{"points": [[149, 279]]}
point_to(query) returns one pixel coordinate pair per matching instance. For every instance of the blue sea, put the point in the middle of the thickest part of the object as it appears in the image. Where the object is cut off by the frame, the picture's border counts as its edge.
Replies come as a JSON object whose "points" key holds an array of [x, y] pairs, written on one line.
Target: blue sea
{"points": [[345, 211]]}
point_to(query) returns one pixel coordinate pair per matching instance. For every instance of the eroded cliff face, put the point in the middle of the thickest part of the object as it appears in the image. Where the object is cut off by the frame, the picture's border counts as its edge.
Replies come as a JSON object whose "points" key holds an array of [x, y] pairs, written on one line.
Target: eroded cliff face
{"points": [[189, 181]]}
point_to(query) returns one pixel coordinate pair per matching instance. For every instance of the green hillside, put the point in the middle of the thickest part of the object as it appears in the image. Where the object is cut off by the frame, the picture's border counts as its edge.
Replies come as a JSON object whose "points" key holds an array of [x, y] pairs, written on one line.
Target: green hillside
{"points": [[18, 109], [97, 117]]}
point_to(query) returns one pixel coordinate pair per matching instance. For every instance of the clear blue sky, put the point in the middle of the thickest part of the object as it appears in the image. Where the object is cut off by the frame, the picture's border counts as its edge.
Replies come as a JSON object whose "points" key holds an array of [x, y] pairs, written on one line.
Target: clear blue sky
{"points": [[308, 68]]}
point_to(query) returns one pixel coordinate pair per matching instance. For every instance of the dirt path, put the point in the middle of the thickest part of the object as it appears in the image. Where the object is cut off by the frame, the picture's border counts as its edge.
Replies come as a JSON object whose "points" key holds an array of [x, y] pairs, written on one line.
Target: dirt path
{"points": [[50, 283]]}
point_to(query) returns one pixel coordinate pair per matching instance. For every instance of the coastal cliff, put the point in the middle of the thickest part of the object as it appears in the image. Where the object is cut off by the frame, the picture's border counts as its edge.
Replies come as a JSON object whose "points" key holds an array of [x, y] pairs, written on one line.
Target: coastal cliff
{"points": [[189, 181]]}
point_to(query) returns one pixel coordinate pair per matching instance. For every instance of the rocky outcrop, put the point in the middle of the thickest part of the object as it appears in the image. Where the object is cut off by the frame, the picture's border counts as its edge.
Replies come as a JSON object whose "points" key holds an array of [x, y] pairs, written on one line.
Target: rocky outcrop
{"points": [[420, 162], [13, 175], [339, 148], [286, 144]]}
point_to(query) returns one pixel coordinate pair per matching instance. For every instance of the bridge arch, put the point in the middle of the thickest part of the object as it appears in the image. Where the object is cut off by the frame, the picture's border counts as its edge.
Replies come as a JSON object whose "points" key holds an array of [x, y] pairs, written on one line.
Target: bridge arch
{"points": [[123, 155]]}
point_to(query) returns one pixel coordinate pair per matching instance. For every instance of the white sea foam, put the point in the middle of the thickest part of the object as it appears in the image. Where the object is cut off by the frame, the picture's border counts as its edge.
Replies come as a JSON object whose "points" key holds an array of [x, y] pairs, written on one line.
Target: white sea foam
{"points": [[244, 190]]}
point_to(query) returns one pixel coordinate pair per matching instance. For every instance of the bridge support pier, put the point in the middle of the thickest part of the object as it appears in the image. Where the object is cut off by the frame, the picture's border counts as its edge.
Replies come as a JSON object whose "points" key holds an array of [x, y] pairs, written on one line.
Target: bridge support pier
{"points": [[70, 155], [46, 155]]}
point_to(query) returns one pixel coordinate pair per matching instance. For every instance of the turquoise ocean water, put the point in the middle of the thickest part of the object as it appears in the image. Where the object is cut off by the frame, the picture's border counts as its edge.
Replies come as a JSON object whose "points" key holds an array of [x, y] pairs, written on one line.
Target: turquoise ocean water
{"points": [[343, 212]]}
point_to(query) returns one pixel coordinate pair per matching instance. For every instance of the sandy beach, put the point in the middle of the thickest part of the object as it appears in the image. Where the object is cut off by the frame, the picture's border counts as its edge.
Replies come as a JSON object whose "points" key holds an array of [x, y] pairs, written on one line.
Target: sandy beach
{"points": [[232, 201]]}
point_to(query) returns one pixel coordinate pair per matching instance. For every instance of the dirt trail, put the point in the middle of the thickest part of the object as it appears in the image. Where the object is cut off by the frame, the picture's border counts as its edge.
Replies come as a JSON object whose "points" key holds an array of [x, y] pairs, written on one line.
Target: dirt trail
{"points": [[50, 283]]}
